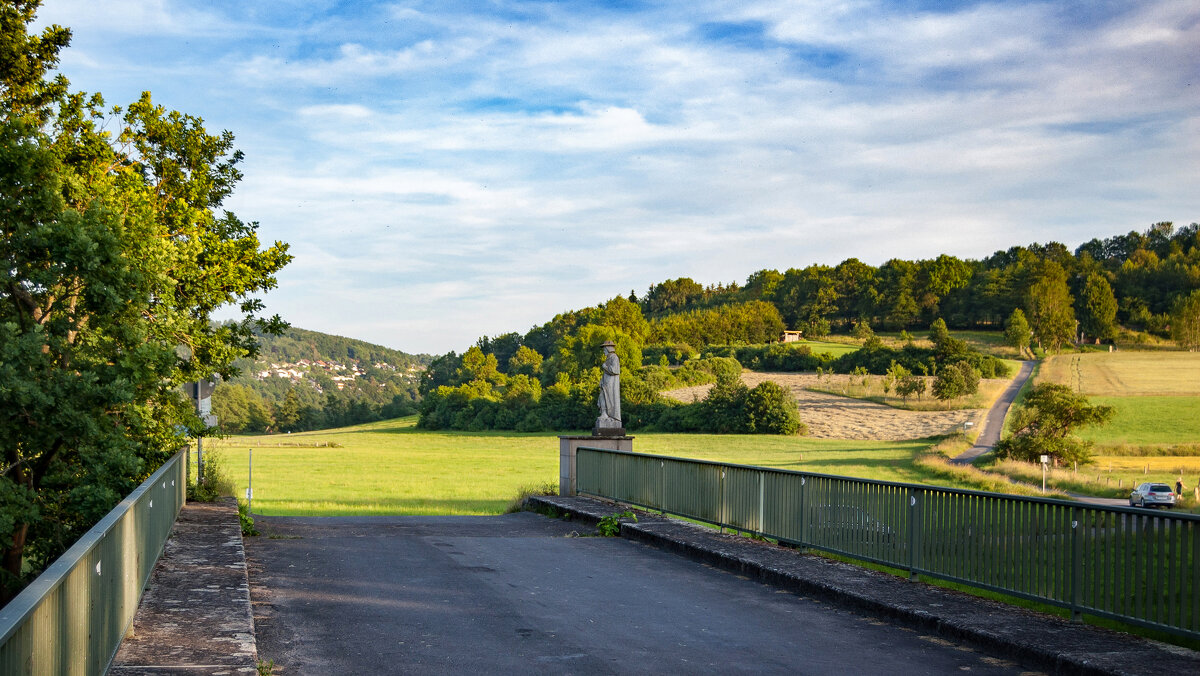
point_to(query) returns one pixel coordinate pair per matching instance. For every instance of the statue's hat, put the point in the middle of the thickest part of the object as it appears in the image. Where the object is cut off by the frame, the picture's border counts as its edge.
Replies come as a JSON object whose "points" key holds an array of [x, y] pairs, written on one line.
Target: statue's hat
{"points": [[608, 343]]}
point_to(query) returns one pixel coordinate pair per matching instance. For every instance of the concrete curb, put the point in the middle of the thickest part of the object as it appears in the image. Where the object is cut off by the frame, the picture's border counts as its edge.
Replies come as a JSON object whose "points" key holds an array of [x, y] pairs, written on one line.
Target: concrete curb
{"points": [[195, 616], [1034, 639]]}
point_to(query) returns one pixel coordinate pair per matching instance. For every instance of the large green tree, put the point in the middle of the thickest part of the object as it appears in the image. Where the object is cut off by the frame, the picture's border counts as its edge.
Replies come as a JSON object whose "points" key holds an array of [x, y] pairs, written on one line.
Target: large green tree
{"points": [[1046, 422], [1185, 321], [115, 255], [1016, 331], [1097, 308], [1049, 307]]}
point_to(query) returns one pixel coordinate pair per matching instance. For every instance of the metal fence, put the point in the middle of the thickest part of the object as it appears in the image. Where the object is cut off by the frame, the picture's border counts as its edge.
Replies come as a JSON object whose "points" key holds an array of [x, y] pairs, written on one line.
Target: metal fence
{"points": [[1134, 565], [72, 618]]}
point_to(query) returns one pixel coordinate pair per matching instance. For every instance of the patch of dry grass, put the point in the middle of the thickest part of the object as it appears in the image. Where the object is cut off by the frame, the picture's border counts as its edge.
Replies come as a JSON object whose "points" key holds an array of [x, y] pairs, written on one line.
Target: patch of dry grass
{"points": [[870, 388]]}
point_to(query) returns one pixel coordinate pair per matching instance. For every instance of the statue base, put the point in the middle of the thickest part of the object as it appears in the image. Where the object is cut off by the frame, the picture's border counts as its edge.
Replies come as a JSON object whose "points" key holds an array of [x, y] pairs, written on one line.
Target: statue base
{"points": [[607, 426], [608, 431]]}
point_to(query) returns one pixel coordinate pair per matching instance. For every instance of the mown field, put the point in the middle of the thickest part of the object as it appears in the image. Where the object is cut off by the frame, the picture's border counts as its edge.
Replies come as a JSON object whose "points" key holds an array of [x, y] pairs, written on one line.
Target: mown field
{"points": [[391, 467], [1156, 395]]}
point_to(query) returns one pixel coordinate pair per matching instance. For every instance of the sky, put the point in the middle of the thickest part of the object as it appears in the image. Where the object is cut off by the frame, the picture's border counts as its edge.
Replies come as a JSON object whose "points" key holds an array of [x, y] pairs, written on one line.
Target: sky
{"points": [[447, 170]]}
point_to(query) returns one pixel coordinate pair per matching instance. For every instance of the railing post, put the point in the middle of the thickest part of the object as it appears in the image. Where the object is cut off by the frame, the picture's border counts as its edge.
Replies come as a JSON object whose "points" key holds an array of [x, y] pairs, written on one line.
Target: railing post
{"points": [[914, 530], [803, 513], [1076, 567], [762, 520], [662, 486], [721, 500]]}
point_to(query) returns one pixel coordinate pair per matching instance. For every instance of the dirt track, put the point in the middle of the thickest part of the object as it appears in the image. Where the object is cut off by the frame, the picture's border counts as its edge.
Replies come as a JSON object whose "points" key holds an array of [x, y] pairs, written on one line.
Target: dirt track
{"points": [[832, 417]]}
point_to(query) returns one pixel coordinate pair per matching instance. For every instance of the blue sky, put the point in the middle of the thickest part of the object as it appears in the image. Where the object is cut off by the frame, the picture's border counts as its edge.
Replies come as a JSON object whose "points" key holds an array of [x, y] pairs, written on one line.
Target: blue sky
{"points": [[445, 170]]}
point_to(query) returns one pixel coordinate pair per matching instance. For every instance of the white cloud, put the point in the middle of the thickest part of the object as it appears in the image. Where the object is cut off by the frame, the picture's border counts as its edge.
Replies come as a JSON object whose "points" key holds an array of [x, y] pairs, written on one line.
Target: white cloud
{"points": [[444, 175]]}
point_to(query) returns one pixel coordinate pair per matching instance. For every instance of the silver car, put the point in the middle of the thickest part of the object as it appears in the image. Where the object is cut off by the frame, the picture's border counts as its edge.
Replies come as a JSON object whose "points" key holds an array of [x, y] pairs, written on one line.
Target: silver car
{"points": [[1152, 495]]}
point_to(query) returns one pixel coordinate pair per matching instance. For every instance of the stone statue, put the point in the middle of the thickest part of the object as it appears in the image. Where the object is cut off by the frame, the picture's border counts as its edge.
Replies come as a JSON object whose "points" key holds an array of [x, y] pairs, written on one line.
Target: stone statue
{"points": [[609, 422]]}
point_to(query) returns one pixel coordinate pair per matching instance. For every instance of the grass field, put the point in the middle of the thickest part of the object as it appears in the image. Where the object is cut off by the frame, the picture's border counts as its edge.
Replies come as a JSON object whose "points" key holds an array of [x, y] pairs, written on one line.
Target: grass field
{"points": [[391, 467], [1156, 394], [836, 349], [1148, 420]]}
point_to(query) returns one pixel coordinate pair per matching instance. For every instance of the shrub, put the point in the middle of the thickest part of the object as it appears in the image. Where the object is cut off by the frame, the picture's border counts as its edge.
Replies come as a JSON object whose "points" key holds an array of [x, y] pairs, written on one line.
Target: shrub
{"points": [[771, 409], [246, 520], [214, 483]]}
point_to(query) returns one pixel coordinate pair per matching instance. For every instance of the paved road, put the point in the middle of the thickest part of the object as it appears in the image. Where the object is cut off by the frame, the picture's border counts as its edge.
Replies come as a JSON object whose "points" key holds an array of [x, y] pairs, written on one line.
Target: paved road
{"points": [[993, 423], [517, 594]]}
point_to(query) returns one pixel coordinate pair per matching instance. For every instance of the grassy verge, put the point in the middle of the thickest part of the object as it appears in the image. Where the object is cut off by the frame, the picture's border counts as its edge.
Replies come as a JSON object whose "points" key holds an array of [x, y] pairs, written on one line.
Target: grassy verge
{"points": [[1110, 476]]}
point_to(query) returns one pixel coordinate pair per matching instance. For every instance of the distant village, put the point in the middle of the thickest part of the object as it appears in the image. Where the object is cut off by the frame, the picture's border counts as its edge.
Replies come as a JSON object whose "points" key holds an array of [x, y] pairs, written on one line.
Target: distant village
{"points": [[340, 374]]}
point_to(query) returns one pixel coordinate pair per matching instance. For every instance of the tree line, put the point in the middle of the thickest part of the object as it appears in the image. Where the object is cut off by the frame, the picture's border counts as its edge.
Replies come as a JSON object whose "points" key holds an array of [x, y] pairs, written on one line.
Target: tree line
{"points": [[481, 390], [1140, 281], [1144, 283]]}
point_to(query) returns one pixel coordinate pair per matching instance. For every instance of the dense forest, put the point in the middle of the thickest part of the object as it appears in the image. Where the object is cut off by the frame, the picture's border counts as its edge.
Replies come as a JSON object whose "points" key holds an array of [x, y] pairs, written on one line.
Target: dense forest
{"points": [[1133, 287], [303, 380]]}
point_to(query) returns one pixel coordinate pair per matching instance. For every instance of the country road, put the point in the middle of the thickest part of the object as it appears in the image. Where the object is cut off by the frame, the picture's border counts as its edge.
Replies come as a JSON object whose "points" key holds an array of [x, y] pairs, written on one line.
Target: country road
{"points": [[518, 594], [993, 423]]}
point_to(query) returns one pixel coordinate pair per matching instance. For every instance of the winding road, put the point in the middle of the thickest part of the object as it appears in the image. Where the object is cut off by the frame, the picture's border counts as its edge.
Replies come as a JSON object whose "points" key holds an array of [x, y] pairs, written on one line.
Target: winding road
{"points": [[993, 423]]}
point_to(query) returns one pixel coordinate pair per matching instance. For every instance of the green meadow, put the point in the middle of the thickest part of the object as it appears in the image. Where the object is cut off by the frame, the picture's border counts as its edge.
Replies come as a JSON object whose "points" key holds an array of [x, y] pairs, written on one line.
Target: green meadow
{"points": [[391, 467], [836, 349], [1157, 420]]}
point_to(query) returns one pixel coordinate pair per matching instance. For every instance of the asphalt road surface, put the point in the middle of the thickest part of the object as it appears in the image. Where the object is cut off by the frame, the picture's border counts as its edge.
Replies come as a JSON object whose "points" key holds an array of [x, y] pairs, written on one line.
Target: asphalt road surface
{"points": [[993, 423], [518, 594]]}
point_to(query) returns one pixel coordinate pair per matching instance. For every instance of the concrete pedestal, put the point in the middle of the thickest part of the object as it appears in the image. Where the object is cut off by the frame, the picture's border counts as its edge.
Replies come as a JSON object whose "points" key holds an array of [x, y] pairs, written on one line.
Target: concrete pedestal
{"points": [[567, 446]]}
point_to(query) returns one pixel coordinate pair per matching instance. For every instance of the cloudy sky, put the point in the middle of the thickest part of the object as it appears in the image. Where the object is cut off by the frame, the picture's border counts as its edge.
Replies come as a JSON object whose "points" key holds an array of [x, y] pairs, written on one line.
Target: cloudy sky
{"points": [[445, 170]]}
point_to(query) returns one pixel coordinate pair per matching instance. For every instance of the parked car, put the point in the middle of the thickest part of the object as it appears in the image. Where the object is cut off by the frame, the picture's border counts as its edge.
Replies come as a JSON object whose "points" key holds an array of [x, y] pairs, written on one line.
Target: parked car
{"points": [[1152, 495]]}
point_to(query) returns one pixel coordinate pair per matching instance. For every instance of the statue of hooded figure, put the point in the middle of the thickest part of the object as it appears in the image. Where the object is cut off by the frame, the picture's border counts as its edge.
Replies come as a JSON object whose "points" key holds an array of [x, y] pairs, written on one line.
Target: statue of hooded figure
{"points": [[610, 388]]}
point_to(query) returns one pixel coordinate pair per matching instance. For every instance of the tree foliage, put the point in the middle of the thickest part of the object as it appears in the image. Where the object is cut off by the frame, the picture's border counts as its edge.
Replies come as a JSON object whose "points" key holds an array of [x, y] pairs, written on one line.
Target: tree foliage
{"points": [[115, 253], [1049, 305], [1045, 422], [1016, 330], [1185, 321], [958, 379], [1097, 309]]}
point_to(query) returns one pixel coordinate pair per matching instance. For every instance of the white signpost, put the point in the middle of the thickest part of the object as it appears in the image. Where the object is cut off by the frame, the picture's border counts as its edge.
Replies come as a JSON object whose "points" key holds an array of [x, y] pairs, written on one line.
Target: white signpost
{"points": [[201, 392]]}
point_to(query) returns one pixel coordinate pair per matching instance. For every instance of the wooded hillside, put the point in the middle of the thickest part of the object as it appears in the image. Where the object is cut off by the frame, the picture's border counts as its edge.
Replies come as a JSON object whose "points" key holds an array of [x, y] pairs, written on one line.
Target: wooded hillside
{"points": [[306, 380], [1137, 286]]}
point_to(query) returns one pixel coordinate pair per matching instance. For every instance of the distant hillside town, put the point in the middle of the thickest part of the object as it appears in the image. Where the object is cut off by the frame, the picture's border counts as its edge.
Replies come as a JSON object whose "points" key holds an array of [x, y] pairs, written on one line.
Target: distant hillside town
{"points": [[341, 374], [306, 380]]}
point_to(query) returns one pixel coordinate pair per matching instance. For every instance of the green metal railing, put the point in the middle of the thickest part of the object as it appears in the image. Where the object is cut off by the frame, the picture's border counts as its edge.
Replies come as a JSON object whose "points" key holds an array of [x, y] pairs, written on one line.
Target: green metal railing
{"points": [[1133, 565], [72, 618]]}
